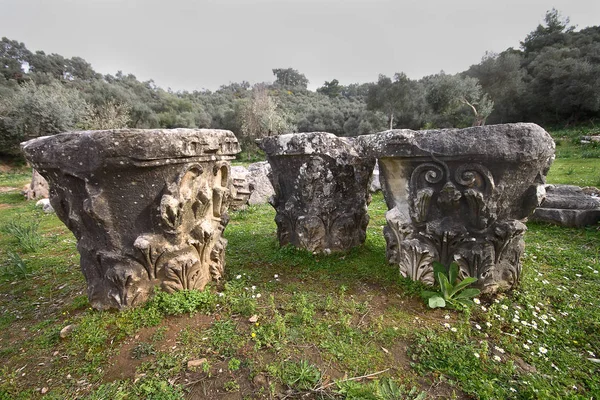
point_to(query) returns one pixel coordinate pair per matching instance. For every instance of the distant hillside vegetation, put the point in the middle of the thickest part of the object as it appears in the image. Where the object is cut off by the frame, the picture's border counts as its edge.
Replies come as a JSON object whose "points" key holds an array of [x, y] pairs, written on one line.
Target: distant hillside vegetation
{"points": [[553, 79]]}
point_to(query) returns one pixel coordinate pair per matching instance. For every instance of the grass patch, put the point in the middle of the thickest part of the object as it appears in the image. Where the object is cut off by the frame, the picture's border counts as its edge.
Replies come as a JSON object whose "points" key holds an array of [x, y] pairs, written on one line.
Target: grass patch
{"points": [[25, 232], [16, 177], [575, 171]]}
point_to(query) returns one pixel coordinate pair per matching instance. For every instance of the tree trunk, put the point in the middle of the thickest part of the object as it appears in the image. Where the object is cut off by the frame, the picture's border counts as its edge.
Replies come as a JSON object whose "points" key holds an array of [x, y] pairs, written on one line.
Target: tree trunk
{"points": [[391, 121]]}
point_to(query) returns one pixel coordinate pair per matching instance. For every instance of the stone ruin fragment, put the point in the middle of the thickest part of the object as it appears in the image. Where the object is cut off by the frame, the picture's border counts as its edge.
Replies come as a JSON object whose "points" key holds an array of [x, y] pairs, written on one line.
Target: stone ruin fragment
{"points": [[251, 185], [461, 195], [37, 188], [240, 188], [321, 190], [569, 206], [147, 207]]}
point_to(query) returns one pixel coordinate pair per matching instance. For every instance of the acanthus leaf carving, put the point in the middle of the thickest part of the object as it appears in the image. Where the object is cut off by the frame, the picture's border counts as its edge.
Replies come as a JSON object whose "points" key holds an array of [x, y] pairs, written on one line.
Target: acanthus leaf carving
{"points": [[459, 225], [477, 208], [416, 261], [184, 271], [476, 262], [191, 249]]}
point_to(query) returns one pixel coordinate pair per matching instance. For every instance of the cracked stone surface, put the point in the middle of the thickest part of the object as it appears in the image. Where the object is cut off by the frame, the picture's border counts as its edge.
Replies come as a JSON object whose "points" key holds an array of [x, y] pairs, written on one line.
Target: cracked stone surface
{"points": [[461, 195], [147, 207], [321, 185]]}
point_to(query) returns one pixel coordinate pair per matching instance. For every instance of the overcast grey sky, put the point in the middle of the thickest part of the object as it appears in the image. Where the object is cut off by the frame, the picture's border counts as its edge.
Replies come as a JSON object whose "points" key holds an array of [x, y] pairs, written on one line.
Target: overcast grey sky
{"points": [[188, 45]]}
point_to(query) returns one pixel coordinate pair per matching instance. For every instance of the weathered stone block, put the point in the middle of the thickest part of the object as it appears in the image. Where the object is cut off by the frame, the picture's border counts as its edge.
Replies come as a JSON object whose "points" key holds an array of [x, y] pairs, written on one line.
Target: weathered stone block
{"points": [[375, 185], [568, 205], [260, 185], [37, 189], [147, 207], [321, 190], [461, 195], [240, 188]]}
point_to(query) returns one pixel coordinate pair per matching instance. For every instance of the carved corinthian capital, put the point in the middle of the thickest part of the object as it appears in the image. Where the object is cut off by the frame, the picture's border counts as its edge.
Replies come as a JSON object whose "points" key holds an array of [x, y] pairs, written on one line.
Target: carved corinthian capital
{"points": [[321, 186], [147, 207], [461, 195]]}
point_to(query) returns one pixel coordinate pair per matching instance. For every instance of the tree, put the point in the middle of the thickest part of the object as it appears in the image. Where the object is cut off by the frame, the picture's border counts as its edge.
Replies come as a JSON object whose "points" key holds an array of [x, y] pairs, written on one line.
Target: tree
{"points": [[289, 77], [564, 86], [501, 76], [37, 110], [456, 99], [13, 56], [78, 68], [261, 116], [111, 115], [53, 65], [398, 98], [553, 33], [331, 89]]}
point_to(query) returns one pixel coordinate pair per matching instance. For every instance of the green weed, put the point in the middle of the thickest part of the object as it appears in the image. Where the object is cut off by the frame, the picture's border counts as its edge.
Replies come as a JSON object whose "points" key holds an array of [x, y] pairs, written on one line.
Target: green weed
{"points": [[142, 350], [184, 302], [234, 364], [25, 232], [15, 268], [297, 375], [231, 386], [224, 337], [453, 293]]}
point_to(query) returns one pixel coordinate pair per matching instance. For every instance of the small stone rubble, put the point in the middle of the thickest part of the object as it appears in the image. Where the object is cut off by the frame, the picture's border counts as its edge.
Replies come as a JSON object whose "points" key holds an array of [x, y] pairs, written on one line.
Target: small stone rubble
{"points": [[251, 185]]}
